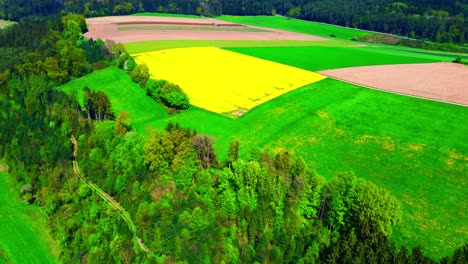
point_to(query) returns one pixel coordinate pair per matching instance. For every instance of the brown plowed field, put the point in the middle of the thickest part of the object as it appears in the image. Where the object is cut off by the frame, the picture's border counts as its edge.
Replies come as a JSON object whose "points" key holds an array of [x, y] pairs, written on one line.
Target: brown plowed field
{"points": [[444, 81], [106, 28]]}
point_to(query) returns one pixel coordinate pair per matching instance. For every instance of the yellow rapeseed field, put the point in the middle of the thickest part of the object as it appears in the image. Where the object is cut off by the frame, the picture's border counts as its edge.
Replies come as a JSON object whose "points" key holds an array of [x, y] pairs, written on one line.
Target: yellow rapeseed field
{"points": [[223, 81]]}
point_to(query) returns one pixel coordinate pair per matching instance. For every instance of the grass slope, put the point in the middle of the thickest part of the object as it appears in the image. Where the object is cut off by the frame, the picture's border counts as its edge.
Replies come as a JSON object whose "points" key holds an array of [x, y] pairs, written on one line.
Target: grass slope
{"points": [[300, 26], [417, 149], [123, 93], [155, 45], [323, 58], [23, 235]]}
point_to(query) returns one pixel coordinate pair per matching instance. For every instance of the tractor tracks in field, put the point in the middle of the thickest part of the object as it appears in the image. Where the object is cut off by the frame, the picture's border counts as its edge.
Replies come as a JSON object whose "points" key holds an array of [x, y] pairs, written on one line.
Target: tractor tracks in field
{"points": [[109, 199]]}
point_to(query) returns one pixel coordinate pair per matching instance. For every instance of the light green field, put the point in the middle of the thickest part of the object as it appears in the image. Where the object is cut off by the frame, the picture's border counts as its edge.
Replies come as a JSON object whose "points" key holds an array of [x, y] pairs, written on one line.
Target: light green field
{"points": [[23, 229], [155, 45], [324, 58], [300, 26], [5, 23], [417, 149], [123, 93]]}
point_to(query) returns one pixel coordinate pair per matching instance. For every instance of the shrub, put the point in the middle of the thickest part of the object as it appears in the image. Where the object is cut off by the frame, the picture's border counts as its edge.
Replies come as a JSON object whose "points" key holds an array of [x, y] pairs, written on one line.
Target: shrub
{"points": [[140, 74], [121, 60], [170, 94], [177, 100], [129, 64], [458, 60]]}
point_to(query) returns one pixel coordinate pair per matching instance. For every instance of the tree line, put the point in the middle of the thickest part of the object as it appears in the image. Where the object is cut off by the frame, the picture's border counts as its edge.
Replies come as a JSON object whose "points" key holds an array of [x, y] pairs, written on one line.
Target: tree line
{"points": [[439, 21]]}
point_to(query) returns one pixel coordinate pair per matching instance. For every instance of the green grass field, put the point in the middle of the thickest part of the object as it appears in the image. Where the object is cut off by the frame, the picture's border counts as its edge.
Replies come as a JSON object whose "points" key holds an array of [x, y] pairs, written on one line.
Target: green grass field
{"points": [[123, 93], [417, 149], [154, 45], [166, 15], [300, 26], [23, 230], [323, 58]]}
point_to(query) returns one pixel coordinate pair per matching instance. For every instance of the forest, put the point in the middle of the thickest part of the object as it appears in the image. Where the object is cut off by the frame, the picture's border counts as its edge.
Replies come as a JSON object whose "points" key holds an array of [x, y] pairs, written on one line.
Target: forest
{"points": [[186, 204], [438, 21]]}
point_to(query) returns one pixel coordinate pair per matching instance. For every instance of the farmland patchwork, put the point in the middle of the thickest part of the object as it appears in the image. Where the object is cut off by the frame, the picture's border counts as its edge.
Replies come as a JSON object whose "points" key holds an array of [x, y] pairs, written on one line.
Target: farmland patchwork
{"points": [[223, 81]]}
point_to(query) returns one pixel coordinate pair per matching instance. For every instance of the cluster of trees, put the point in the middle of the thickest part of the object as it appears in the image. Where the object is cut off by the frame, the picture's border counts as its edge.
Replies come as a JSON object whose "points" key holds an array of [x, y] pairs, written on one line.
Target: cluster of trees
{"points": [[168, 93], [48, 46], [97, 105], [186, 203], [162, 91], [439, 21]]}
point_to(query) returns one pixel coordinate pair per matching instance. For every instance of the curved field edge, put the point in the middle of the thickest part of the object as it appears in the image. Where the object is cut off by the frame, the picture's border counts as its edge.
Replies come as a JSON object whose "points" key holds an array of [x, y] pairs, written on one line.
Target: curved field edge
{"points": [[417, 149], [24, 236]]}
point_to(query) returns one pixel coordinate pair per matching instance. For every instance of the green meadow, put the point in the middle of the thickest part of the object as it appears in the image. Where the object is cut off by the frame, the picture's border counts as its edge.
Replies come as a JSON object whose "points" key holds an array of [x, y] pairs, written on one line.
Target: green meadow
{"points": [[23, 230], [154, 45], [300, 26], [415, 148], [323, 58], [123, 93]]}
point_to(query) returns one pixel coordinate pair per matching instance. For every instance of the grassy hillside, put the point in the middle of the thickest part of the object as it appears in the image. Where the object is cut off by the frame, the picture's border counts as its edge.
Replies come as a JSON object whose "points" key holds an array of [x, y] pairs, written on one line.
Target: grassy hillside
{"points": [[123, 93], [323, 58], [154, 45], [23, 232], [300, 26], [415, 148]]}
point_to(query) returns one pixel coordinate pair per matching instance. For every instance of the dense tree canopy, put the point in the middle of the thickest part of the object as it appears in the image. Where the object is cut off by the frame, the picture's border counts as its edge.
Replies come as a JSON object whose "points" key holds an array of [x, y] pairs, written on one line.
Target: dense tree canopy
{"points": [[440, 21]]}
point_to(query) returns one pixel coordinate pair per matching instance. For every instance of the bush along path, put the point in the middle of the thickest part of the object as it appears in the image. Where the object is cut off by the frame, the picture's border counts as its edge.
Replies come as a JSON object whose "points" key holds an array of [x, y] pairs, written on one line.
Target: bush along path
{"points": [[110, 201]]}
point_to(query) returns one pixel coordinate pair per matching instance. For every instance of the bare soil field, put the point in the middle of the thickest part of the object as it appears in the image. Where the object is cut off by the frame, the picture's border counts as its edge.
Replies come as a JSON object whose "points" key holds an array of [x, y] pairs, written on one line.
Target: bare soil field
{"points": [[106, 28], [444, 81]]}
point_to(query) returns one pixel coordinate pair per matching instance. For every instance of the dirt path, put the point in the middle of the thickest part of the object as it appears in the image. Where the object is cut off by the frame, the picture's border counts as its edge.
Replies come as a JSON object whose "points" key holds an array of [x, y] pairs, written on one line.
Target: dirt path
{"points": [[443, 81], [109, 199]]}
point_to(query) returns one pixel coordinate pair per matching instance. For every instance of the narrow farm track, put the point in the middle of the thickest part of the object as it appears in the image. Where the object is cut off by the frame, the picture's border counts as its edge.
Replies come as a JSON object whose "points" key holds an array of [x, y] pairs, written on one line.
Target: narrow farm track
{"points": [[110, 201]]}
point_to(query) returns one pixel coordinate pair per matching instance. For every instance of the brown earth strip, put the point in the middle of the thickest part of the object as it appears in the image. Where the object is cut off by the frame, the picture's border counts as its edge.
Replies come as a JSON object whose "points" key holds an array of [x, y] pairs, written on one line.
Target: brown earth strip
{"points": [[106, 28], [443, 81]]}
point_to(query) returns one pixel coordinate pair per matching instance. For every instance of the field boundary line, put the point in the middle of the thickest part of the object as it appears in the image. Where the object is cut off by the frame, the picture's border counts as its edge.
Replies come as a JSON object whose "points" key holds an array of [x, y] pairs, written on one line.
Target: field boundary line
{"points": [[387, 91]]}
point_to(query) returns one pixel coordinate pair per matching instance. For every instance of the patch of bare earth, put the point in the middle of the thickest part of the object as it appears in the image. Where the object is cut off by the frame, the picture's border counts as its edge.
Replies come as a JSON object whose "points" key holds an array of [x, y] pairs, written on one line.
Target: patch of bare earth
{"points": [[443, 81], [106, 28]]}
